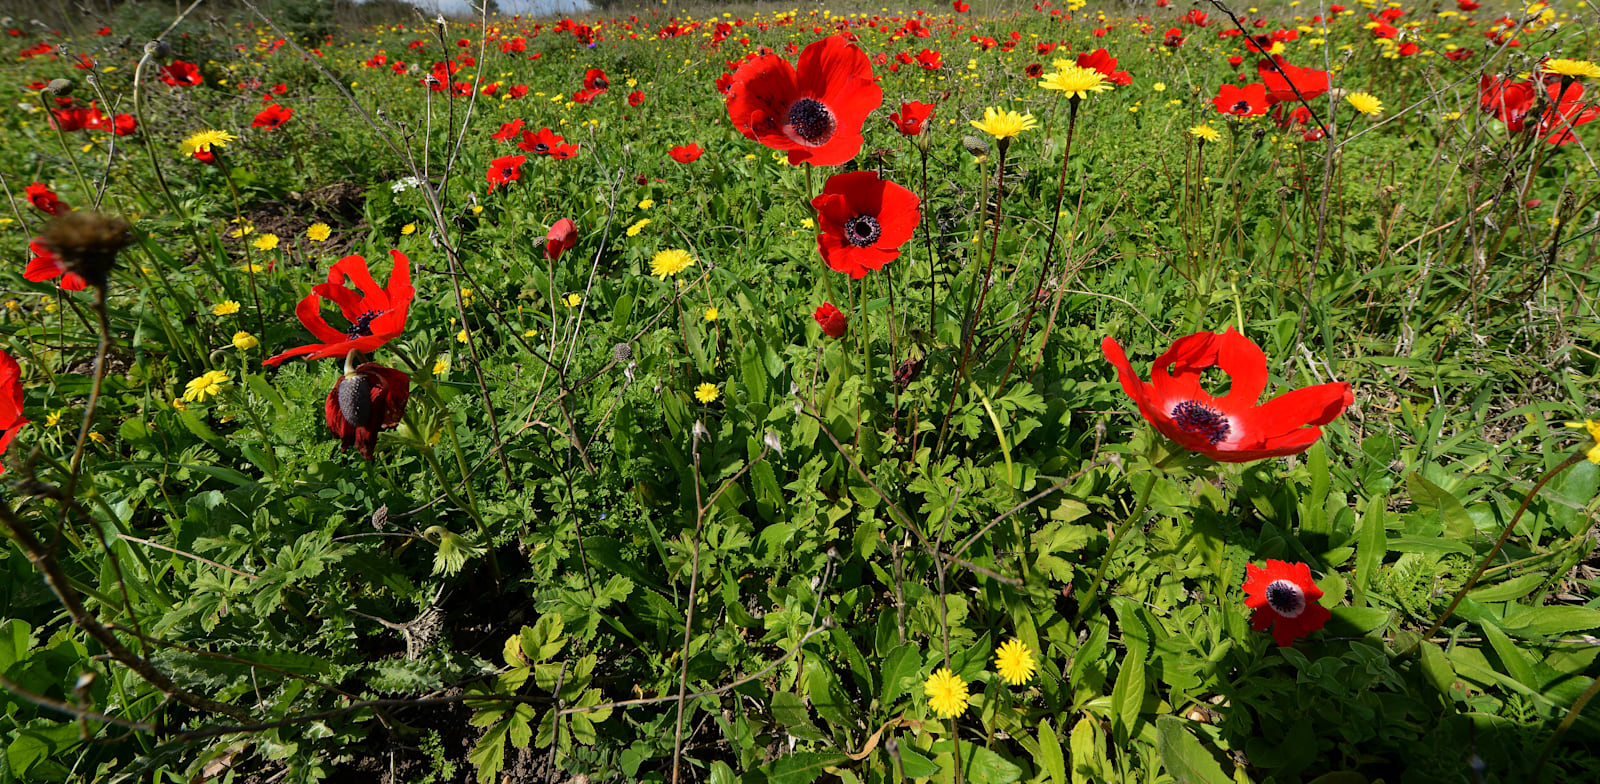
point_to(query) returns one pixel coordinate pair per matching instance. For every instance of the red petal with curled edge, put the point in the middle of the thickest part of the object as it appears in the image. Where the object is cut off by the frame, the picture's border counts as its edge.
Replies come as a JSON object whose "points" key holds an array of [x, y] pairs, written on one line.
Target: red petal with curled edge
{"points": [[761, 92], [838, 73]]}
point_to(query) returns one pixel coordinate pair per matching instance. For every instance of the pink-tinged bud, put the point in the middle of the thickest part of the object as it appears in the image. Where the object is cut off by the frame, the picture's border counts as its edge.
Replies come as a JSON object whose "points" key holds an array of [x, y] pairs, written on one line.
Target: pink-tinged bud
{"points": [[562, 237]]}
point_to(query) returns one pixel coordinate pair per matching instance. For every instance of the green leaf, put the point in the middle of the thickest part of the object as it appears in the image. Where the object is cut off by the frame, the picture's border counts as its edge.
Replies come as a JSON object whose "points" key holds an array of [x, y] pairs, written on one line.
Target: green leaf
{"points": [[802, 767], [1508, 591], [1086, 752], [1431, 498], [1127, 697], [792, 715], [1050, 757], [1516, 663], [1183, 755], [915, 766], [489, 755], [1372, 544], [1549, 621], [900, 666]]}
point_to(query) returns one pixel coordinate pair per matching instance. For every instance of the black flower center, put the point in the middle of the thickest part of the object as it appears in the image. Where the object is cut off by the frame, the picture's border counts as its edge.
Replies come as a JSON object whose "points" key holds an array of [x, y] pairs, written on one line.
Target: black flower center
{"points": [[862, 230], [811, 122], [355, 400], [541, 147], [1285, 598], [506, 172], [1201, 420], [1242, 107], [601, 83], [362, 327]]}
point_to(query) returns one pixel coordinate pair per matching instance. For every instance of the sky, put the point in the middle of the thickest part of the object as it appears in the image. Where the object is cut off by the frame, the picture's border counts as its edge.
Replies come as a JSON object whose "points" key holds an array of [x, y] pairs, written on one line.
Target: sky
{"points": [[462, 7]]}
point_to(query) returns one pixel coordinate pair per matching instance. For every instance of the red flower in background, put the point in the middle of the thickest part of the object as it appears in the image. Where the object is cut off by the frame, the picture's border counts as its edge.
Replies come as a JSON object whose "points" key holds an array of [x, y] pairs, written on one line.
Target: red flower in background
{"points": [[508, 131], [1173, 39], [635, 98], [563, 235], [73, 118], [44, 199], [1567, 111], [1284, 597], [1458, 54], [564, 151], [959, 6], [11, 418], [274, 116], [1231, 428], [1102, 61], [864, 221], [505, 170], [180, 74], [586, 96], [831, 320], [1247, 101], [45, 266], [1309, 81], [595, 80], [1505, 100], [930, 60], [815, 112], [363, 402], [688, 153], [376, 315], [1467, 5], [540, 143], [912, 119]]}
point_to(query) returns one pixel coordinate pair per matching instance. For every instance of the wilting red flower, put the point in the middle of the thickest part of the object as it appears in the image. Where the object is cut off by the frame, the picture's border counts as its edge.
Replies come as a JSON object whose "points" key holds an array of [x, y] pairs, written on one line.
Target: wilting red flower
{"points": [[912, 119], [687, 153], [363, 402], [831, 320], [1102, 61], [273, 116], [864, 221], [1284, 597], [595, 79], [46, 266], [1309, 81], [11, 418], [504, 170], [1567, 111], [1231, 428], [540, 143], [376, 315], [814, 113], [585, 96], [1505, 100], [45, 199], [563, 235], [508, 131], [635, 98], [1247, 101], [180, 74]]}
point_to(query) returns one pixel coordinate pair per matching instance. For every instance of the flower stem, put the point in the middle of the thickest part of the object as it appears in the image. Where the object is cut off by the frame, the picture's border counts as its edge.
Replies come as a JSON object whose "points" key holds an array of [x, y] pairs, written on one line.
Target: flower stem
{"points": [[1092, 594], [1050, 245]]}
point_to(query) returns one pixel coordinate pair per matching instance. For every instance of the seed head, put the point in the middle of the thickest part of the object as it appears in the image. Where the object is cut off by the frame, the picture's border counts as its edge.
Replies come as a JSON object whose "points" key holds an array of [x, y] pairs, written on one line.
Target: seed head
{"points": [[975, 145], [88, 243], [622, 352], [60, 86]]}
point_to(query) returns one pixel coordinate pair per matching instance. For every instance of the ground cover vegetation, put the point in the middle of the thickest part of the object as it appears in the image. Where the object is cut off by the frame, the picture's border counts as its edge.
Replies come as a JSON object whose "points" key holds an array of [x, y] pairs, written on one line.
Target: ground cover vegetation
{"points": [[1189, 393]]}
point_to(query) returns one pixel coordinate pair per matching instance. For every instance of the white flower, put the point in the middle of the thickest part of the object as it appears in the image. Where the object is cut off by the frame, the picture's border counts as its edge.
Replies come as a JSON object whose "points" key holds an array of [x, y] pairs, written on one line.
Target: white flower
{"points": [[400, 185]]}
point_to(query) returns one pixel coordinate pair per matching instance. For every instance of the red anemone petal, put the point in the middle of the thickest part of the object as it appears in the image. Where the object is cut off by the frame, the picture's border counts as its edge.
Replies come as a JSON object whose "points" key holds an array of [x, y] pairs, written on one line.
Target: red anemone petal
{"points": [[355, 268], [766, 85], [844, 145], [1277, 446], [1246, 366], [1290, 411], [309, 310], [899, 215], [41, 268], [1190, 354]]}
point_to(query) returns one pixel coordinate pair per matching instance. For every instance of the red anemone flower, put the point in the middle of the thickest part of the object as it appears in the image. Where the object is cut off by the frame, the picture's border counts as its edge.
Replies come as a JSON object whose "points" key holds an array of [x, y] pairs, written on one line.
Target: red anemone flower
{"points": [[274, 116], [1285, 598], [595, 80], [912, 119], [73, 118], [635, 98], [1231, 428], [45, 199], [1567, 111], [1309, 81], [687, 153], [1102, 61], [930, 60], [1505, 100], [563, 235], [1247, 101], [11, 418], [864, 221], [376, 315], [815, 112], [504, 170], [508, 131], [833, 322], [46, 266], [1173, 39], [540, 143], [364, 401], [180, 74], [564, 151]]}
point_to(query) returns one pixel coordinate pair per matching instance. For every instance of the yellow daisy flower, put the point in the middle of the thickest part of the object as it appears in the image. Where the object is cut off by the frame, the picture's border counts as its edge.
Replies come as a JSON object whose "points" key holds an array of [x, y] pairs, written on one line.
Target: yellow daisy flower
{"points": [[226, 307], [1004, 123], [669, 263], [706, 393], [208, 385], [947, 693], [1014, 662], [318, 232]]}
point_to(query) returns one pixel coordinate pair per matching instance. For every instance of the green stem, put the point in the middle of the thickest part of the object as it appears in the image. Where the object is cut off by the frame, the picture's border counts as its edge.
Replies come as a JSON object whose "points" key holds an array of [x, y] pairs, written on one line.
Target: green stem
{"points": [[1092, 594]]}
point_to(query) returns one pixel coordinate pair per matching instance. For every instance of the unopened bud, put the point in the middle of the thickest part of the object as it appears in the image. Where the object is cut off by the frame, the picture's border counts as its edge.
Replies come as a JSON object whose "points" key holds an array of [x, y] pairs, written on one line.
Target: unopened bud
{"points": [[60, 86], [88, 243]]}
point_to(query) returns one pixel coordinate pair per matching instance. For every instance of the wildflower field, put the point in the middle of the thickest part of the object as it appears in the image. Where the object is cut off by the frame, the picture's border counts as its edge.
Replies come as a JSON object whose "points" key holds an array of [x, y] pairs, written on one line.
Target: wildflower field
{"points": [[990, 392]]}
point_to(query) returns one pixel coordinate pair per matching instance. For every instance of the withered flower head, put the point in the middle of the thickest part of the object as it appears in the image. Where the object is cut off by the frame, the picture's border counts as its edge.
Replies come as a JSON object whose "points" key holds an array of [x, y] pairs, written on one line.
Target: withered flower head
{"points": [[60, 86], [158, 49], [975, 145], [87, 243]]}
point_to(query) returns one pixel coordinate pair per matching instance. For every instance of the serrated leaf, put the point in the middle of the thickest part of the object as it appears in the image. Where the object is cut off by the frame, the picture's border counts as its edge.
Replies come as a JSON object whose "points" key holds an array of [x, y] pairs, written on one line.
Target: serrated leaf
{"points": [[802, 767]]}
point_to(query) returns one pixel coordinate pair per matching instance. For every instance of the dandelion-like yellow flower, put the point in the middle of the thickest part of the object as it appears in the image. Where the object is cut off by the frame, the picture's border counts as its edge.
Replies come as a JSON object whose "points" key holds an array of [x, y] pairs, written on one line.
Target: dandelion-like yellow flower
{"points": [[1159, 87], [244, 227], [711, 313], [1076, 81], [1365, 103], [633, 231], [1574, 69], [647, 204], [1205, 133], [441, 365], [409, 228], [1014, 662], [318, 232], [706, 393], [1593, 427], [1004, 123], [245, 341], [267, 241], [203, 141], [572, 300], [462, 337], [208, 385], [52, 419], [947, 693], [226, 307], [669, 263]]}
